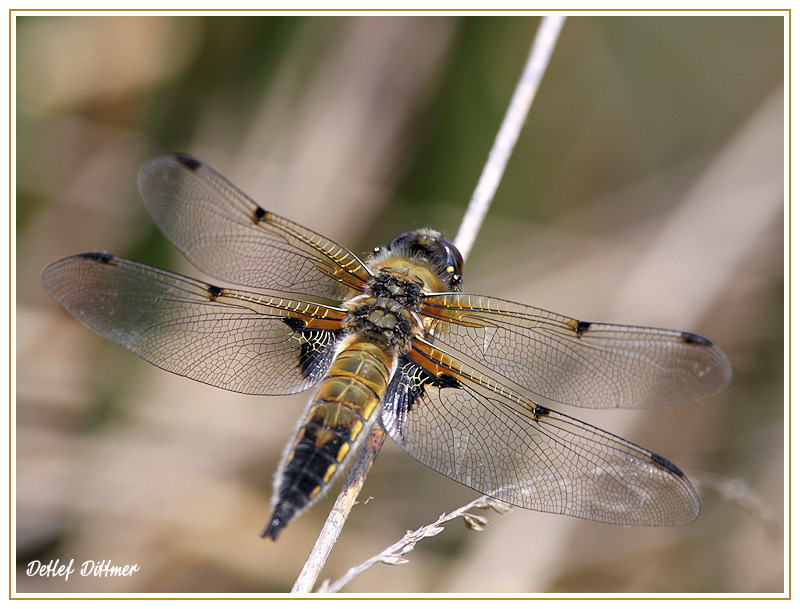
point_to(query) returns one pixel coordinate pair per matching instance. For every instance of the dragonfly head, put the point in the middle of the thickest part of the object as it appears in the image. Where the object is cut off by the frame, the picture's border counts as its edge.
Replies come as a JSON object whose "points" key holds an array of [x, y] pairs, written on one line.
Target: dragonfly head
{"points": [[429, 252]]}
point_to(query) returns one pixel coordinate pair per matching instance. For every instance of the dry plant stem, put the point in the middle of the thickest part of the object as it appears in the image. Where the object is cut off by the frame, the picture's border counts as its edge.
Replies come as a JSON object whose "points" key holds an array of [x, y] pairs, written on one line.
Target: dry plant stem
{"points": [[507, 136], [393, 555]]}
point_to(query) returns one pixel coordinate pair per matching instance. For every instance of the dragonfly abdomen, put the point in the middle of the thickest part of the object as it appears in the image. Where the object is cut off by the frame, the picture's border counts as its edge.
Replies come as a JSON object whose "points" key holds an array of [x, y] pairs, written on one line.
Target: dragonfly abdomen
{"points": [[335, 423]]}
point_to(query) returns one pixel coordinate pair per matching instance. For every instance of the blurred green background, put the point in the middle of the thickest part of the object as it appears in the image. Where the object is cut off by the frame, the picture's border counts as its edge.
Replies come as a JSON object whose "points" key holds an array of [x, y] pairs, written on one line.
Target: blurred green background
{"points": [[647, 188]]}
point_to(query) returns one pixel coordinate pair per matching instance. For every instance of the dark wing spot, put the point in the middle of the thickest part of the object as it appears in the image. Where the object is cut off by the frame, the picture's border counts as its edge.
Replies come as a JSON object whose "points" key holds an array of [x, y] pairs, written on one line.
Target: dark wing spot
{"points": [[668, 464], [214, 291], [103, 257], [583, 326], [540, 411], [314, 348], [409, 384], [259, 214], [188, 162], [294, 323], [695, 339], [446, 381]]}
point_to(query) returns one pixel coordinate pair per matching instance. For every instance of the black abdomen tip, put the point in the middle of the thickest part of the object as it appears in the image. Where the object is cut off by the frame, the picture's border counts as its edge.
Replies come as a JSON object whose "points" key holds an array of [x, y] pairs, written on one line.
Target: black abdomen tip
{"points": [[283, 513]]}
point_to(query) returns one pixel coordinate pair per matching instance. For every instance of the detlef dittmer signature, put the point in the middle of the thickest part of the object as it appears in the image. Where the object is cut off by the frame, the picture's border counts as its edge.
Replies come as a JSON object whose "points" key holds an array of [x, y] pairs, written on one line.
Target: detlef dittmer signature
{"points": [[88, 568]]}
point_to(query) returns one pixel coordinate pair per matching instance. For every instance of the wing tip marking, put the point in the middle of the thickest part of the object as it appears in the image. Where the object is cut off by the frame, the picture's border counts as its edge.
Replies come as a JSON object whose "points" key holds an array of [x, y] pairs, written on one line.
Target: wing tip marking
{"points": [[102, 257], [666, 463], [187, 161], [695, 339]]}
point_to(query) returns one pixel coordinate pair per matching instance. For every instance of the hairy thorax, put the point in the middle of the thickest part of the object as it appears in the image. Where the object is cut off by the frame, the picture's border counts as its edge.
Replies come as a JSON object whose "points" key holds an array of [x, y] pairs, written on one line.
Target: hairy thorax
{"points": [[388, 310]]}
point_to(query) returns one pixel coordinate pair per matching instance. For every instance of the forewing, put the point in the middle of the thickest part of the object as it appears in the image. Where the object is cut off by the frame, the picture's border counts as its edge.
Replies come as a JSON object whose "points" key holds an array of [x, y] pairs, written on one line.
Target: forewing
{"points": [[492, 440], [591, 365], [226, 234], [232, 339]]}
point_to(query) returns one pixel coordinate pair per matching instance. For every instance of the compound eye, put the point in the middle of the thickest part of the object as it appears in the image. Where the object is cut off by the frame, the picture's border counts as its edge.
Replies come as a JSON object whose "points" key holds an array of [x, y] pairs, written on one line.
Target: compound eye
{"points": [[455, 262]]}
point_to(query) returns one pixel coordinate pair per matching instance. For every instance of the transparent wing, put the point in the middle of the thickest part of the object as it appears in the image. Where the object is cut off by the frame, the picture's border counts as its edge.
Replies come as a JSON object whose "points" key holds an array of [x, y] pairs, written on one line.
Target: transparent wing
{"points": [[231, 339], [492, 440], [591, 365], [226, 234]]}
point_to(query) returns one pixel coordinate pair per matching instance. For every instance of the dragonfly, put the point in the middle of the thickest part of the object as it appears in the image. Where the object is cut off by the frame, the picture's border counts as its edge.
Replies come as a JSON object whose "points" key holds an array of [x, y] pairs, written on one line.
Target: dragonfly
{"points": [[463, 383]]}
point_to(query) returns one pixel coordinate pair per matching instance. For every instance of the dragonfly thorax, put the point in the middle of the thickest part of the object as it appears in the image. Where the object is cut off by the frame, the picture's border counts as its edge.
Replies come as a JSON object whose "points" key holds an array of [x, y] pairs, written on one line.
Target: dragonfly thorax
{"points": [[387, 308]]}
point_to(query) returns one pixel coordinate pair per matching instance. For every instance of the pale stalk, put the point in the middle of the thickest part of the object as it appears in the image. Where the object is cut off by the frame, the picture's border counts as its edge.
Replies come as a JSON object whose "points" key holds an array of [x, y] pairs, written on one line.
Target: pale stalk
{"points": [[508, 134]]}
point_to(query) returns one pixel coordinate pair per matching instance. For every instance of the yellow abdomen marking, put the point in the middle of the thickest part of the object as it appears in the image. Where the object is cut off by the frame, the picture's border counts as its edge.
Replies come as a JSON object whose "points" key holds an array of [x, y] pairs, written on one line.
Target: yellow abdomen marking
{"points": [[346, 401]]}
